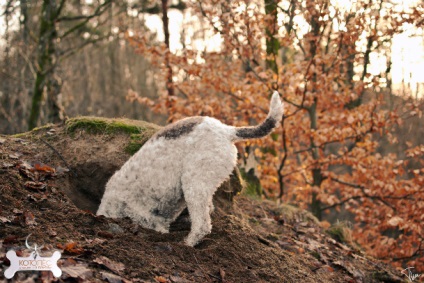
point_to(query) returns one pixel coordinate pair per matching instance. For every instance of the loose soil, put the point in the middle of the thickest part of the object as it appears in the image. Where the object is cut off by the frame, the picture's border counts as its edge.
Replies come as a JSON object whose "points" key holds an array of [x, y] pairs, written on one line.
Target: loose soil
{"points": [[52, 180]]}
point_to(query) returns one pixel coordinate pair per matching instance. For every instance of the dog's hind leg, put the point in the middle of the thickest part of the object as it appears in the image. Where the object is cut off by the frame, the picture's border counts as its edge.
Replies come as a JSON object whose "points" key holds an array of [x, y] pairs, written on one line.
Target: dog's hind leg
{"points": [[199, 188], [198, 203]]}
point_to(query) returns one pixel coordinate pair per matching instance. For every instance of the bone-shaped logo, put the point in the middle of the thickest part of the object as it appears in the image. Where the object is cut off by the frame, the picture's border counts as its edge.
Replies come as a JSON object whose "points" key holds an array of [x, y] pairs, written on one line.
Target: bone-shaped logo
{"points": [[33, 262]]}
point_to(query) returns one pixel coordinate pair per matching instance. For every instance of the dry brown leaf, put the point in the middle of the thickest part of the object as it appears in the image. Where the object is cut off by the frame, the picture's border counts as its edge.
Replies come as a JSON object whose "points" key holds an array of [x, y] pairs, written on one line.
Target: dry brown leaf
{"points": [[96, 241], [29, 218], [35, 186], [178, 279], [111, 278], [395, 221], [69, 261], [10, 239], [222, 274], [105, 234], [7, 165], [110, 264], [161, 279], [71, 248], [78, 271], [327, 268], [4, 219], [43, 168], [17, 211], [52, 233], [27, 170], [325, 224], [61, 170], [350, 268], [15, 155]]}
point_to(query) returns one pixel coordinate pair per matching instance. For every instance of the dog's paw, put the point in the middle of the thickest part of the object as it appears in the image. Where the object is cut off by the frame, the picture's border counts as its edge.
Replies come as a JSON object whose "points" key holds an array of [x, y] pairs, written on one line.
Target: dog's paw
{"points": [[191, 241]]}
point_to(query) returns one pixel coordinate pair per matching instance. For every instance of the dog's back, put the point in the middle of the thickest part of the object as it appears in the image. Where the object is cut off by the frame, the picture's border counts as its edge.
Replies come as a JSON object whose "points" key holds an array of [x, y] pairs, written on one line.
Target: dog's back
{"points": [[181, 166]]}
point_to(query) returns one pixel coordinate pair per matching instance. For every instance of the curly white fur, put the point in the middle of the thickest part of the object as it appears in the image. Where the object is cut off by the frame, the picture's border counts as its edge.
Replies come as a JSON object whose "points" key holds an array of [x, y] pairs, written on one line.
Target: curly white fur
{"points": [[180, 166]]}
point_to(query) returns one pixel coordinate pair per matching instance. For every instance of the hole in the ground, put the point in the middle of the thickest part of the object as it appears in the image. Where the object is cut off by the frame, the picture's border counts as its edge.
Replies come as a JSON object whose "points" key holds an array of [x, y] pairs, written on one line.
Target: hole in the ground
{"points": [[86, 188]]}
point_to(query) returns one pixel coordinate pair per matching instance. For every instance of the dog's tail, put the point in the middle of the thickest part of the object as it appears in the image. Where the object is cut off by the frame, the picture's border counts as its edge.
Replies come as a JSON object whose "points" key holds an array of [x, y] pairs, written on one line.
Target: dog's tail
{"points": [[275, 115]]}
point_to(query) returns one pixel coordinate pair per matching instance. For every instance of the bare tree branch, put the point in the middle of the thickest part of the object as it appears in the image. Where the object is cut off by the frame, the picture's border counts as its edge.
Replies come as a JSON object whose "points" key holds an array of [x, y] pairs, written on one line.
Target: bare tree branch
{"points": [[341, 202], [362, 188], [99, 11]]}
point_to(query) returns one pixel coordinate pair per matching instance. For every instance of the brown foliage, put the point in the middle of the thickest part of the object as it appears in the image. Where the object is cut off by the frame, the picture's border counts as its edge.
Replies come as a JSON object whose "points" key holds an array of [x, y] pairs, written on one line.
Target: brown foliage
{"points": [[327, 155]]}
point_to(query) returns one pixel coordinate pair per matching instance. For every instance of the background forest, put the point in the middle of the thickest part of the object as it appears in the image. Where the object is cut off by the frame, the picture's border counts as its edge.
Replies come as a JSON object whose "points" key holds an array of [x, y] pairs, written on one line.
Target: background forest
{"points": [[351, 144]]}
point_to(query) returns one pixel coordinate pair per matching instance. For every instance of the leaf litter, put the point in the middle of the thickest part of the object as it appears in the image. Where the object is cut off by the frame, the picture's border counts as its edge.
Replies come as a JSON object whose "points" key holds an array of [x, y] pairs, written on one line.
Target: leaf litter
{"points": [[248, 243]]}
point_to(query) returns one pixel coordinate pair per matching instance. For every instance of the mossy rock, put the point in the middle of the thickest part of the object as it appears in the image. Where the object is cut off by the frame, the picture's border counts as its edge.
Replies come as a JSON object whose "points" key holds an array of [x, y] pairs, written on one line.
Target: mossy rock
{"points": [[34, 132], [109, 125], [139, 131]]}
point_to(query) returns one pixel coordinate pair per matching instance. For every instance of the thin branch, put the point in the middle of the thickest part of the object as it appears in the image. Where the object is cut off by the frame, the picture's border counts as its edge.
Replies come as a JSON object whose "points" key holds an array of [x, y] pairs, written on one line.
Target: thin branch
{"points": [[207, 17], [59, 9], [29, 63], [341, 202], [362, 188], [13, 77], [165, 25], [415, 254], [283, 160], [300, 43], [71, 51], [330, 142], [74, 18], [60, 156], [234, 36], [99, 11]]}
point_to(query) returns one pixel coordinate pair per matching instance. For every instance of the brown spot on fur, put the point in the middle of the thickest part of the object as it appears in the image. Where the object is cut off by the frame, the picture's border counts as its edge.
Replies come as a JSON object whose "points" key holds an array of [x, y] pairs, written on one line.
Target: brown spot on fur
{"points": [[179, 128]]}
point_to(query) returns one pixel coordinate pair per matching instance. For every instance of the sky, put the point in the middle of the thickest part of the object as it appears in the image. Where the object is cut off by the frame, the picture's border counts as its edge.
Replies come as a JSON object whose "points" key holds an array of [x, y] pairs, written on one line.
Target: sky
{"points": [[408, 60]]}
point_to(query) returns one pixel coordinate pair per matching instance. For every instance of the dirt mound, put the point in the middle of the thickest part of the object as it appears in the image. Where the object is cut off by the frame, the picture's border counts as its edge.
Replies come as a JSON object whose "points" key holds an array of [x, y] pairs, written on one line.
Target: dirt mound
{"points": [[52, 179]]}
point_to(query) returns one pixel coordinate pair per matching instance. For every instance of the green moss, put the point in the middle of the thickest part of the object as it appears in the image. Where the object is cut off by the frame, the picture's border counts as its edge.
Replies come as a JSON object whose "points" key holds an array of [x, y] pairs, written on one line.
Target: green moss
{"points": [[254, 221], [383, 276], [41, 128], [22, 135], [33, 132], [108, 126], [272, 237], [139, 131], [316, 255], [137, 140], [291, 214], [253, 186], [341, 232]]}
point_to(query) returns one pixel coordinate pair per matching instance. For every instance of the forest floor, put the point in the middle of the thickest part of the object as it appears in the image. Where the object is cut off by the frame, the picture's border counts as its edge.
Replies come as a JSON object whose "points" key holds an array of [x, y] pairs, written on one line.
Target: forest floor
{"points": [[51, 181]]}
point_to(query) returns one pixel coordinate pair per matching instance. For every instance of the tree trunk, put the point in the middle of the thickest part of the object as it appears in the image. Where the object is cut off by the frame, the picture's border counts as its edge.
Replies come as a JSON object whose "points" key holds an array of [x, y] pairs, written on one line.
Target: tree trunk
{"points": [[169, 83], [312, 111], [316, 172], [272, 43], [45, 63], [24, 20], [54, 89]]}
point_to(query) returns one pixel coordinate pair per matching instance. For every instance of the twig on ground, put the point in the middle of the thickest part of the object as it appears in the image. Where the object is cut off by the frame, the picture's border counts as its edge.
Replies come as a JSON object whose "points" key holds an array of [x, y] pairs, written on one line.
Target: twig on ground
{"points": [[60, 156]]}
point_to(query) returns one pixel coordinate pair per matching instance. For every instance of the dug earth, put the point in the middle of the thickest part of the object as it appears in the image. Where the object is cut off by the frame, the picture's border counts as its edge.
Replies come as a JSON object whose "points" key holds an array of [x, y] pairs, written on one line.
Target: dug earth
{"points": [[51, 183]]}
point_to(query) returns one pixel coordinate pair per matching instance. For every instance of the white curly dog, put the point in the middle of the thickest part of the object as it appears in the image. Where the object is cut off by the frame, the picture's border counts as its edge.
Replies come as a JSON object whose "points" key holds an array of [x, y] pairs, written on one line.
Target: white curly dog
{"points": [[181, 166]]}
